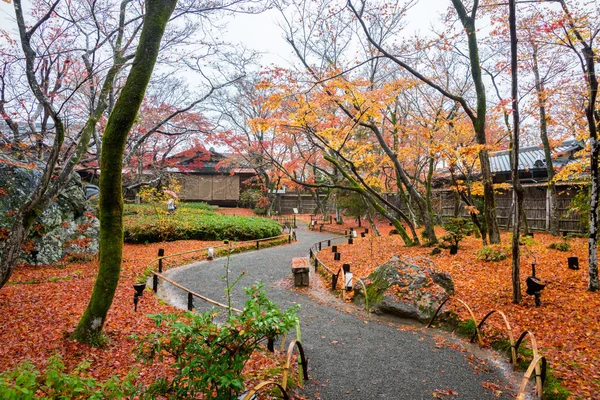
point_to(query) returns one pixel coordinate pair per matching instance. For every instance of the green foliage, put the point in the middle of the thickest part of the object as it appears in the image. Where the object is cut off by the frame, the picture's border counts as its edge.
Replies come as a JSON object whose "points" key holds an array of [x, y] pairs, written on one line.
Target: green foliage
{"points": [[207, 357], [197, 205], [249, 198], [491, 253], [553, 389], [560, 246], [352, 204], [580, 207], [26, 382], [467, 328], [457, 229], [196, 222], [528, 241]]}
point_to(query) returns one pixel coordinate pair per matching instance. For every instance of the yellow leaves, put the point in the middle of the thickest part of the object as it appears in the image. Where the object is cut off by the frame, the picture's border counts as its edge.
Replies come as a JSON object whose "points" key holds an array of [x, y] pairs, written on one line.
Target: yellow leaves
{"points": [[472, 210], [477, 189], [501, 187], [573, 170]]}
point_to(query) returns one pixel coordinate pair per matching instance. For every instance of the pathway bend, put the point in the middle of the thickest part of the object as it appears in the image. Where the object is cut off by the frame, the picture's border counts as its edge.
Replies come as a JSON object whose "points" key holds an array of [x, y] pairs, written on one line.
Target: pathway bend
{"points": [[350, 355]]}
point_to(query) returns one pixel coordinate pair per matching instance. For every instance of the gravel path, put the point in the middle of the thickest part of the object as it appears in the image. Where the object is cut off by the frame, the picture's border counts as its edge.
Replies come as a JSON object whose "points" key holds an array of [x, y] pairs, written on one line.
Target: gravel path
{"points": [[351, 356]]}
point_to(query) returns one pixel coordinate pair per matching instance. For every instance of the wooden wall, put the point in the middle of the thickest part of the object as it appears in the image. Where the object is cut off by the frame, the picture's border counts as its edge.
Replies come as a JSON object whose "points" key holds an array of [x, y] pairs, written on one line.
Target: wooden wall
{"points": [[535, 205], [209, 188]]}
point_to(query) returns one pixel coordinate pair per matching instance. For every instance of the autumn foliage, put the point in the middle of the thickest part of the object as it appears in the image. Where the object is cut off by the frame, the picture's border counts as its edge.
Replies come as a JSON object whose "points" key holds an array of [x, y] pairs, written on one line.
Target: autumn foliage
{"points": [[566, 325], [41, 307]]}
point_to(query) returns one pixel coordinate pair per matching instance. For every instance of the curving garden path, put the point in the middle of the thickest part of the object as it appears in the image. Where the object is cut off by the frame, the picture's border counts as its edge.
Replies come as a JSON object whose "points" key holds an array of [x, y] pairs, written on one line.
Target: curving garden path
{"points": [[350, 355]]}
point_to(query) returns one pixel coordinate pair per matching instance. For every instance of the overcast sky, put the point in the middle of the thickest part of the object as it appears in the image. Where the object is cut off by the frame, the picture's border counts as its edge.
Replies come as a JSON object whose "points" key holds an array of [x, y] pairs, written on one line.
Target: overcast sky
{"points": [[261, 32]]}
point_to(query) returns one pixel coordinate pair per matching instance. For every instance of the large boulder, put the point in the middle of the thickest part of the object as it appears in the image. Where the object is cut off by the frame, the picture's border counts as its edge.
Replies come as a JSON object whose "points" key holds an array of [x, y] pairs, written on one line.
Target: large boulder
{"points": [[68, 224], [408, 288]]}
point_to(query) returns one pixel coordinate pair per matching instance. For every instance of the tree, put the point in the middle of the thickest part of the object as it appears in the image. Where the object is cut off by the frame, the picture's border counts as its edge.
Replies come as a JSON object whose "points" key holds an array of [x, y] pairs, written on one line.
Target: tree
{"points": [[321, 41], [250, 143], [578, 30], [122, 118], [56, 99], [516, 184], [477, 116], [47, 64]]}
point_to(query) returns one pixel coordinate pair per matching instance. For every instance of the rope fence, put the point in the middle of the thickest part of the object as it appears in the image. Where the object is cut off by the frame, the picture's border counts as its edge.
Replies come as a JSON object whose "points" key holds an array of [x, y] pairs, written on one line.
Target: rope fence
{"points": [[538, 364], [294, 344], [243, 245]]}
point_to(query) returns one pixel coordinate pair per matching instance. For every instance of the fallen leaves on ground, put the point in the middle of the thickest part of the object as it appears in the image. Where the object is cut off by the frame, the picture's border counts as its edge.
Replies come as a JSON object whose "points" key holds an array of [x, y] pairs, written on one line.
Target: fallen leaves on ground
{"points": [[41, 306], [566, 325]]}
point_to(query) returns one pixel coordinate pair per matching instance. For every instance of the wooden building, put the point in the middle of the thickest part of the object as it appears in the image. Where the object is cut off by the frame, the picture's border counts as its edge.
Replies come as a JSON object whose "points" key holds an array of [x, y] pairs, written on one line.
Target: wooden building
{"points": [[209, 176]]}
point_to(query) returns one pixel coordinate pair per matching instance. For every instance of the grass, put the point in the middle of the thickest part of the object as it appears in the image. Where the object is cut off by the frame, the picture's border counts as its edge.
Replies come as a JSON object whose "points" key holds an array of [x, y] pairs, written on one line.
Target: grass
{"points": [[192, 221]]}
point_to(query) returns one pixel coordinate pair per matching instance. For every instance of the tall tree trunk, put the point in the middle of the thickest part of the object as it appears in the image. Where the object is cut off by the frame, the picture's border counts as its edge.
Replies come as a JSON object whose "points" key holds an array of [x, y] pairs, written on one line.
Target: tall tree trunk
{"points": [[591, 115], [593, 120], [517, 188], [541, 99], [119, 124], [468, 22]]}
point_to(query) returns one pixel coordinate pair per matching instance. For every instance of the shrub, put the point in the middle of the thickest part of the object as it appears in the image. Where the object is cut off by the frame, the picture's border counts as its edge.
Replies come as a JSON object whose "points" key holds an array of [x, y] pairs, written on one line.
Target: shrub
{"points": [[26, 382], [560, 246], [528, 241], [207, 357], [491, 253], [457, 229], [250, 198], [196, 223]]}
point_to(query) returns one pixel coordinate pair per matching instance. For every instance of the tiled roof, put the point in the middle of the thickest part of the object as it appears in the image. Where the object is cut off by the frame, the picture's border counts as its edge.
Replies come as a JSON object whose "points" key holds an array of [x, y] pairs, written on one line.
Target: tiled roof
{"points": [[532, 157]]}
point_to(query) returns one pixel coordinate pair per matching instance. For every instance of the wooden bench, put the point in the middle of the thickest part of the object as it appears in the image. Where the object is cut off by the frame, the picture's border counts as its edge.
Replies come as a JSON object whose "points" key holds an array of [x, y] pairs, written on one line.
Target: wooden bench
{"points": [[300, 268]]}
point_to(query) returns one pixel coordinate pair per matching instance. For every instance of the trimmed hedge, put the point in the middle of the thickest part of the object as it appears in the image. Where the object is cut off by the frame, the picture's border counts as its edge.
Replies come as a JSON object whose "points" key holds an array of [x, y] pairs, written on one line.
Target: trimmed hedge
{"points": [[191, 222]]}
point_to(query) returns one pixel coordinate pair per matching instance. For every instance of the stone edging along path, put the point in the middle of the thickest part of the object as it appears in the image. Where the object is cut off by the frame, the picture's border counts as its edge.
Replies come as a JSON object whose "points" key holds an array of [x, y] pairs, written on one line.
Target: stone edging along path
{"points": [[352, 355]]}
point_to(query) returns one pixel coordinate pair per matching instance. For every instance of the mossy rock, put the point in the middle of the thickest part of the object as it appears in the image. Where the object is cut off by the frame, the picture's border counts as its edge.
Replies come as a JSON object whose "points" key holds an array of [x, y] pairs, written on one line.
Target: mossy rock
{"points": [[408, 288]]}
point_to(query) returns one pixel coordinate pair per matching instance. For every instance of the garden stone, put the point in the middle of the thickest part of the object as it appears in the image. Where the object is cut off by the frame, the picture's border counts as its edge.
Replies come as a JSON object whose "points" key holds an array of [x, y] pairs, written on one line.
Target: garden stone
{"points": [[67, 225], [407, 287]]}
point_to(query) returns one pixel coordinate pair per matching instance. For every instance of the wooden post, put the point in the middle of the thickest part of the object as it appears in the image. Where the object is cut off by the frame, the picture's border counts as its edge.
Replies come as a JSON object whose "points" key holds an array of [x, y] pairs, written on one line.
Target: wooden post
{"points": [[155, 283], [190, 305], [161, 253], [548, 208]]}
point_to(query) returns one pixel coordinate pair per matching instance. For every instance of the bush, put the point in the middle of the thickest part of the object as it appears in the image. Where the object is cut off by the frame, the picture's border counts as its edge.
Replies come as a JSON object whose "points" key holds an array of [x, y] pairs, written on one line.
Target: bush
{"points": [[560, 246], [457, 229], [194, 223], [250, 198], [26, 382], [207, 357], [491, 253]]}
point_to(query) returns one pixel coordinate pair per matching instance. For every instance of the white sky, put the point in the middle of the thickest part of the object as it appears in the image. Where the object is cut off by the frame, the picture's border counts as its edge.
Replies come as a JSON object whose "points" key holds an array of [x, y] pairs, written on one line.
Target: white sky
{"points": [[261, 32]]}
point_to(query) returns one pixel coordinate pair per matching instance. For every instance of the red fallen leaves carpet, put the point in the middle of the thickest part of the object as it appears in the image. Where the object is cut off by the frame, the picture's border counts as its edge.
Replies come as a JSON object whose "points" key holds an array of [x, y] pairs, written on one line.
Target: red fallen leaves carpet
{"points": [[566, 326], [41, 306]]}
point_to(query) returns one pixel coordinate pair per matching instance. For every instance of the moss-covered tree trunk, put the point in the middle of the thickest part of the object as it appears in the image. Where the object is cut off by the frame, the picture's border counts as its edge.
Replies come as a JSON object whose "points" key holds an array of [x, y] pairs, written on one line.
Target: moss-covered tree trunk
{"points": [[468, 22], [119, 124]]}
